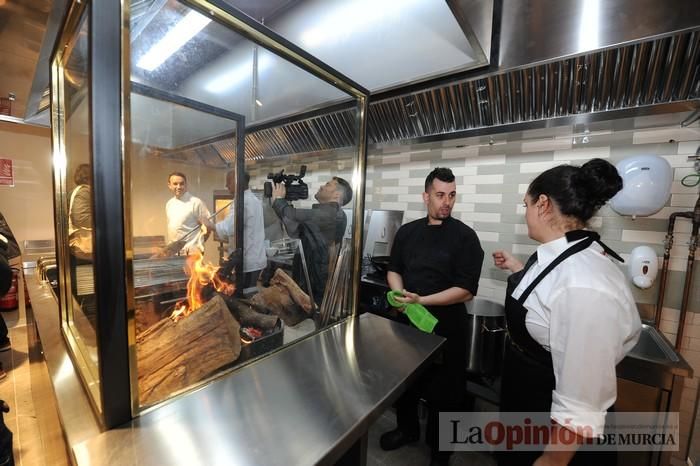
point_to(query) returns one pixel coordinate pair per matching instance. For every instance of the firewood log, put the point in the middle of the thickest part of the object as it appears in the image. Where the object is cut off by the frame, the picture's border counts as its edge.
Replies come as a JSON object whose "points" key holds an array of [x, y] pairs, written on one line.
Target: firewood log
{"points": [[276, 299], [247, 315], [172, 356], [300, 298]]}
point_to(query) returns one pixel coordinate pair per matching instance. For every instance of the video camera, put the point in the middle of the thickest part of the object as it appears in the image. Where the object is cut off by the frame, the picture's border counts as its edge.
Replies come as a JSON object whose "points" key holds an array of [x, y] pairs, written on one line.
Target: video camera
{"points": [[294, 191]]}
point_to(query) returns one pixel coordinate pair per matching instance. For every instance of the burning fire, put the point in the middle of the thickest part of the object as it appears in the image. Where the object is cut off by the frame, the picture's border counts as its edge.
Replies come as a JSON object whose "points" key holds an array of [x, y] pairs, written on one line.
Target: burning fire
{"points": [[201, 274]]}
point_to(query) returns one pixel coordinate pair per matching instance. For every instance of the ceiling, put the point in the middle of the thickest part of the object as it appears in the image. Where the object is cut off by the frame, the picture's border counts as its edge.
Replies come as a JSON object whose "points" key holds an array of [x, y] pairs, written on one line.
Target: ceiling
{"points": [[553, 62], [22, 28]]}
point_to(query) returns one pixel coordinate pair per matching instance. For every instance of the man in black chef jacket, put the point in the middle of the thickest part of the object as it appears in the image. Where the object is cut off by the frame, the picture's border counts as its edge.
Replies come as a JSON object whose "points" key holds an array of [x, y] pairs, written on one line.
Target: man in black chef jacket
{"points": [[435, 261]]}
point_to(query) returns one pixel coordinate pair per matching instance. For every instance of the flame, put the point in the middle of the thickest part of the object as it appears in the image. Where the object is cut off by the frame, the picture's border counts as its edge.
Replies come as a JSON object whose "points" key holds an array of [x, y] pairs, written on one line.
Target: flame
{"points": [[201, 274]]}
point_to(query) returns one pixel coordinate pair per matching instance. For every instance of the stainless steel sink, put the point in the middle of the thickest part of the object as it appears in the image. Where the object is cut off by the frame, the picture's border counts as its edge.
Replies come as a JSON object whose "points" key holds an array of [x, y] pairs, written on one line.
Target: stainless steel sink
{"points": [[653, 346]]}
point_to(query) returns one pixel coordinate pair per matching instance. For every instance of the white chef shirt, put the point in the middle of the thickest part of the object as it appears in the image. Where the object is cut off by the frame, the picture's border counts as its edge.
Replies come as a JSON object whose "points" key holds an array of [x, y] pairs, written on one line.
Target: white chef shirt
{"points": [[585, 315], [253, 232], [185, 214]]}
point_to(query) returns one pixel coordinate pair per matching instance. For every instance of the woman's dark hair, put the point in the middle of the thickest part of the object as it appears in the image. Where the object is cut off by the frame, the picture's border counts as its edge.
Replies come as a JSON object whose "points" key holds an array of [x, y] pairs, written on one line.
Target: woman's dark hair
{"points": [[83, 174], [442, 174], [578, 191]]}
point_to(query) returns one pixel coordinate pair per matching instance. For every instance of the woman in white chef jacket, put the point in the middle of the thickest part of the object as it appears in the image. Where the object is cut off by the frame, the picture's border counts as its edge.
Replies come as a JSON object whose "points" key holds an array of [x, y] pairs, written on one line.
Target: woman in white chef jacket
{"points": [[570, 315]]}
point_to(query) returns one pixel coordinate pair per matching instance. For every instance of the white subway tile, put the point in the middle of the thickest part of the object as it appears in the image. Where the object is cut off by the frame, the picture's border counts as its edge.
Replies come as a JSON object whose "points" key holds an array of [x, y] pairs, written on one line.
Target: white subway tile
{"points": [[392, 205], [411, 181], [688, 147], [392, 189], [486, 198], [484, 179], [677, 264], [596, 222], [523, 249], [417, 165], [394, 174], [491, 236], [393, 158], [678, 188], [369, 198], [463, 207], [480, 217], [411, 215], [410, 198], [460, 152], [539, 167], [678, 161], [520, 229], [583, 153], [546, 145], [462, 171], [684, 200], [665, 212], [465, 189], [636, 236], [520, 209], [491, 159], [522, 188], [665, 135]]}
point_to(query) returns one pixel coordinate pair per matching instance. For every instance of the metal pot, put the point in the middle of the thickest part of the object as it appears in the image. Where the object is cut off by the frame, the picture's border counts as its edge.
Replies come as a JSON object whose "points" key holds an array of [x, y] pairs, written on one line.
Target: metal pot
{"points": [[485, 336]]}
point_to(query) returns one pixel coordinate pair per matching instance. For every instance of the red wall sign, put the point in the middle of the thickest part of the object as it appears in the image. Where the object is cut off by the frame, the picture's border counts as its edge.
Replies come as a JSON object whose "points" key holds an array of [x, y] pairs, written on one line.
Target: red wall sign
{"points": [[7, 175]]}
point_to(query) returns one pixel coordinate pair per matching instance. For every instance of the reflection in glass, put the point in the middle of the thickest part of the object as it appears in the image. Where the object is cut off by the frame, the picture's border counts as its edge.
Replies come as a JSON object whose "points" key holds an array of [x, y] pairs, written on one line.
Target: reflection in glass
{"points": [[82, 312]]}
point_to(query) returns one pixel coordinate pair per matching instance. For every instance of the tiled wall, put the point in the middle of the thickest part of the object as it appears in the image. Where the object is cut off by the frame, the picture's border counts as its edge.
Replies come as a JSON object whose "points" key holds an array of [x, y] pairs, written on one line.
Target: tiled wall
{"points": [[491, 182]]}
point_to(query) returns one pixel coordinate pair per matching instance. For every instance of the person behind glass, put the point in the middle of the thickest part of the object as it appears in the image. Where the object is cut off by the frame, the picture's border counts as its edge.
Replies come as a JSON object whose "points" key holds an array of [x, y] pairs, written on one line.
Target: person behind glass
{"points": [[80, 233], [435, 261], [254, 258], [320, 228], [186, 213], [571, 316], [80, 215], [327, 214]]}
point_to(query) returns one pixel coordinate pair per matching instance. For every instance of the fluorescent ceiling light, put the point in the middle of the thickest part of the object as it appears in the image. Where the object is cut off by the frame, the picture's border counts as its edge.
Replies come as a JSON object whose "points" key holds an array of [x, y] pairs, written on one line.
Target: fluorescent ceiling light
{"points": [[178, 36], [232, 78]]}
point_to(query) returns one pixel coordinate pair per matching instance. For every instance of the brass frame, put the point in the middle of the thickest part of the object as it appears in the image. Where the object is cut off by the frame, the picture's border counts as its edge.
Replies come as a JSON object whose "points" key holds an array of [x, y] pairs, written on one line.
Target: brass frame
{"points": [[89, 373]]}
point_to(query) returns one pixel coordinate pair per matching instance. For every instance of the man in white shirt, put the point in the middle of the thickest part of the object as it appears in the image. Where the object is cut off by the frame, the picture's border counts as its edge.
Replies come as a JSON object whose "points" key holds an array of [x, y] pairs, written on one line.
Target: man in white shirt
{"points": [[186, 213], [254, 259]]}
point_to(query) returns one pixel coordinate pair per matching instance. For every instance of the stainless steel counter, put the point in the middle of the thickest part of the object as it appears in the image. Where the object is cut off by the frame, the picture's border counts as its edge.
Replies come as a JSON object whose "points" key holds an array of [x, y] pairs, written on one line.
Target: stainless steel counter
{"points": [[307, 404], [74, 409]]}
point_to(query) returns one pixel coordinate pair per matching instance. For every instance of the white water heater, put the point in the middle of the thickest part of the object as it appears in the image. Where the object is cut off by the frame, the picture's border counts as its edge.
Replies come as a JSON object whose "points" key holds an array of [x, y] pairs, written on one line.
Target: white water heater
{"points": [[646, 185]]}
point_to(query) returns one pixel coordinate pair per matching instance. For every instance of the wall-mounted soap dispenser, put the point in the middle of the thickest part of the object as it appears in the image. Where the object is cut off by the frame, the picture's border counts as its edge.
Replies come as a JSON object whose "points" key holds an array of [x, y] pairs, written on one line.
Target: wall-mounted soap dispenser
{"points": [[643, 266]]}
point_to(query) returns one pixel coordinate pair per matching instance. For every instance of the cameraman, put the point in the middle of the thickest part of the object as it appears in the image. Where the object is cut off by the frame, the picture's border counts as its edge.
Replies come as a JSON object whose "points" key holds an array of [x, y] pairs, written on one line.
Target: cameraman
{"points": [[327, 215], [320, 228]]}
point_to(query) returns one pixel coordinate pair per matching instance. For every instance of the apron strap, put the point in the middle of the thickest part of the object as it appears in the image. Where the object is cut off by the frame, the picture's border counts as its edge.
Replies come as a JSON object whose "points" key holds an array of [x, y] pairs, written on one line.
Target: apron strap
{"points": [[578, 247], [575, 235], [588, 237]]}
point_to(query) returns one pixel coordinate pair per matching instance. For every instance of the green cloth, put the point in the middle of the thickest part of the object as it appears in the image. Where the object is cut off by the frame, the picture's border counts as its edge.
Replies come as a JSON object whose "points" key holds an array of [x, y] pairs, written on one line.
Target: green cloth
{"points": [[416, 313]]}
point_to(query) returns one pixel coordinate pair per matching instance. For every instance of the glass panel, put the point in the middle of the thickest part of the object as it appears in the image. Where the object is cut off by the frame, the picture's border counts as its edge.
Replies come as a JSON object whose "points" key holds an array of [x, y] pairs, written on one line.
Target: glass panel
{"points": [[179, 50], [189, 88], [81, 315]]}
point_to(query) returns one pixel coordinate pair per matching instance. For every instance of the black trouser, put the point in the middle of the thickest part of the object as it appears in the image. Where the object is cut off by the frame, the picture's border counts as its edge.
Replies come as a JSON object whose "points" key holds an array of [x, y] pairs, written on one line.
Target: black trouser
{"points": [[527, 387], [442, 386]]}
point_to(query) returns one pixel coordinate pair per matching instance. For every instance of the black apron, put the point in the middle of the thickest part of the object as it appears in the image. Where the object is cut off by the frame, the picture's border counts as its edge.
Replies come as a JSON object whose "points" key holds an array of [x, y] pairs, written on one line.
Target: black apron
{"points": [[528, 373]]}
